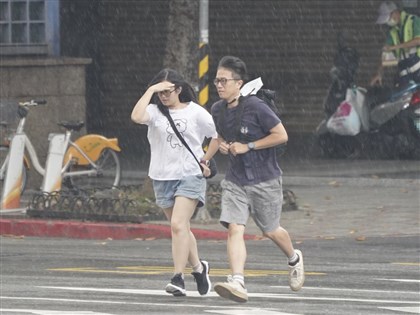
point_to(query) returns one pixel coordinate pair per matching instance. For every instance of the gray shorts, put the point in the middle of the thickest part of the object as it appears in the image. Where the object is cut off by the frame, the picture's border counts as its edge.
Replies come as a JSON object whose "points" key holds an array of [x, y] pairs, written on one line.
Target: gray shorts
{"points": [[262, 201], [193, 187]]}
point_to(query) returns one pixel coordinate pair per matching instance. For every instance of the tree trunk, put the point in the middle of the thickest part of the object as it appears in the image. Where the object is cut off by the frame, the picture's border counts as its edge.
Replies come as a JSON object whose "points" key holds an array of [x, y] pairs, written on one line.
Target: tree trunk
{"points": [[183, 37], [182, 50]]}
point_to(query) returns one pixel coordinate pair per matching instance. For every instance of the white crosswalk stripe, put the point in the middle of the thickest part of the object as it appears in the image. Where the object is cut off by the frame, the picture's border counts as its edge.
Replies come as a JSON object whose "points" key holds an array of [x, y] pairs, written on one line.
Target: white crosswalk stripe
{"points": [[408, 309], [379, 299], [5, 311]]}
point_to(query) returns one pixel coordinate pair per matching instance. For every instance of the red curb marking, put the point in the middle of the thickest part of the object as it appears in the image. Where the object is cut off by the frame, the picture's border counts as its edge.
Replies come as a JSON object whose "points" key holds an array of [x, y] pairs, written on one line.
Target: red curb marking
{"points": [[89, 230]]}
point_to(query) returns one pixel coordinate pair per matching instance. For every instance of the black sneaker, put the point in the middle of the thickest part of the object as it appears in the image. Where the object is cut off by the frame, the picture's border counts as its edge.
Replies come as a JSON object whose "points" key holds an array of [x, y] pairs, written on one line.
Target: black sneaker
{"points": [[203, 279], [176, 287]]}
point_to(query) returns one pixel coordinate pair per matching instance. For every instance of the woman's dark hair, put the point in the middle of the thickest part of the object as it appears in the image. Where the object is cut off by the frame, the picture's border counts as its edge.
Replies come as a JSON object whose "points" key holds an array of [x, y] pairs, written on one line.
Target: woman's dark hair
{"points": [[236, 65], [187, 93]]}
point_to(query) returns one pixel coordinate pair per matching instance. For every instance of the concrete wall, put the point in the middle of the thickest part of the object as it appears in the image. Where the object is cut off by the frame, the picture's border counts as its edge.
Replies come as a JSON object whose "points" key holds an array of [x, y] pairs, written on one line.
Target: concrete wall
{"points": [[61, 82]]}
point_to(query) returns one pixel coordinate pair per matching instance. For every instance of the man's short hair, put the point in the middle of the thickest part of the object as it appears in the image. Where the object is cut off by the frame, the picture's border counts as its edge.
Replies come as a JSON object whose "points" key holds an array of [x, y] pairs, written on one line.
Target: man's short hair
{"points": [[234, 64]]}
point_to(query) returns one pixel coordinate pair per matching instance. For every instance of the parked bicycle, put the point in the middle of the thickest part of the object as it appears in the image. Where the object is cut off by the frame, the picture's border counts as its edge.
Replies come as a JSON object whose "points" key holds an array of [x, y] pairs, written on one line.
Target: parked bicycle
{"points": [[91, 161]]}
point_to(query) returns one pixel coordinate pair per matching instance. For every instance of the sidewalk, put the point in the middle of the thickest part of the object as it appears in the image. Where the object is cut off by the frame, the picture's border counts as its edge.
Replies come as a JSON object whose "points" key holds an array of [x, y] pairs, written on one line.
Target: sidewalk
{"points": [[356, 199]]}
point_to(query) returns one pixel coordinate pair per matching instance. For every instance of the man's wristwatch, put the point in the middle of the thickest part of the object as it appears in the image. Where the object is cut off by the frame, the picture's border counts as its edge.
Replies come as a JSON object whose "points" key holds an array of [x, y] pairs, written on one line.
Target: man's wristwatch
{"points": [[251, 145]]}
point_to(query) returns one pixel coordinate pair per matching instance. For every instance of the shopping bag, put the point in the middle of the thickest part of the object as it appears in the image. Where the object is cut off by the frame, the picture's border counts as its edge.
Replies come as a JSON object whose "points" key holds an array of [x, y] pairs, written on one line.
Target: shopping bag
{"points": [[357, 97], [345, 121]]}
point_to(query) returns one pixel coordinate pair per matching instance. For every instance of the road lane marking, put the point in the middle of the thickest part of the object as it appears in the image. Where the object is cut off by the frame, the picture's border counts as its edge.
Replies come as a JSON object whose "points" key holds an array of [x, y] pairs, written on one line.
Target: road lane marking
{"points": [[48, 312], [347, 290], [413, 310], [224, 308], [151, 270], [248, 312], [255, 295], [400, 280], [28, 298], [224, 312], [416, 264], [127, 291]]}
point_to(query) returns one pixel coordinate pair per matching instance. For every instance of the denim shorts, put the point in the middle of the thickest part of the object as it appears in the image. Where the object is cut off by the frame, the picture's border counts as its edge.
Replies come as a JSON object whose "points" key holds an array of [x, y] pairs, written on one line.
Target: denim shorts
{"points": [[193, 187], [262, 201]]}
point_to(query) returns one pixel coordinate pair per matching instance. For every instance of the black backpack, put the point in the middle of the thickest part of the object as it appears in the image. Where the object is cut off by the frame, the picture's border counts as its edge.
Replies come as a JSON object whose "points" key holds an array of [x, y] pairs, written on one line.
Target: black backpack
{"points": [[269, 97]]}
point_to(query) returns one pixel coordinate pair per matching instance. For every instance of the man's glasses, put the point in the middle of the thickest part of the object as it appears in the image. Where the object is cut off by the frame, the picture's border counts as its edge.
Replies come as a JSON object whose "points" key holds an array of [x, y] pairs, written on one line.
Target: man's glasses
{"points": [[223, 81], [165, 93]]}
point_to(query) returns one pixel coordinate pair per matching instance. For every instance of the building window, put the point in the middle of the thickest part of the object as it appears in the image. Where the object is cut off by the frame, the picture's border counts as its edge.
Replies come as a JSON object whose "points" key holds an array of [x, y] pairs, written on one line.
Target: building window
{"points": [[29, 27]]}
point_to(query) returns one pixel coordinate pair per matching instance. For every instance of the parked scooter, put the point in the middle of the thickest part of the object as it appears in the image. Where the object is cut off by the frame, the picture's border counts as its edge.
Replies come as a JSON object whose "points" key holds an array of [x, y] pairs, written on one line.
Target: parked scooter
{"points": [[389, 120]]}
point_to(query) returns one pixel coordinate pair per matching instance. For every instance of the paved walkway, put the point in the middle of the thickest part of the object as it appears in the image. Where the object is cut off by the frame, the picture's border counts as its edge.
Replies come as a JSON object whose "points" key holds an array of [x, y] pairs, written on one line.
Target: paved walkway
{"points": [[357, 199]]}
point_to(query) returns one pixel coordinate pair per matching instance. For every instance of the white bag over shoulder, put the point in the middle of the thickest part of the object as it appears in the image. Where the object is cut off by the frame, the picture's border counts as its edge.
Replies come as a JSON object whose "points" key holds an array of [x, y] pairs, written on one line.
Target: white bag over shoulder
{"points": [[252, 87]]}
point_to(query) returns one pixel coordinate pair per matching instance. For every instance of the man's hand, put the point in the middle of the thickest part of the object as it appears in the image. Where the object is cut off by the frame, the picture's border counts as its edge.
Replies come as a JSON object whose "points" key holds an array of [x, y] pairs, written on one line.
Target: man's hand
{"points": [[388, 48], [238, 148], [224, 147]]}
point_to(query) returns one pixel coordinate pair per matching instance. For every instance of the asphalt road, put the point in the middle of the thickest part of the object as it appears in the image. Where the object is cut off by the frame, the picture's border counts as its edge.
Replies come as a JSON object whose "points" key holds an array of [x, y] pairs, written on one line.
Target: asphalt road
{"points": [[47, 276], [358, 229]]}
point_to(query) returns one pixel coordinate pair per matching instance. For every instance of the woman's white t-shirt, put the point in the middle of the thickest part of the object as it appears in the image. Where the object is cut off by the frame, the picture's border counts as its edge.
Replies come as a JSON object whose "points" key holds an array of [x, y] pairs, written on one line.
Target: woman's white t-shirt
{"points": [[170, 160]]}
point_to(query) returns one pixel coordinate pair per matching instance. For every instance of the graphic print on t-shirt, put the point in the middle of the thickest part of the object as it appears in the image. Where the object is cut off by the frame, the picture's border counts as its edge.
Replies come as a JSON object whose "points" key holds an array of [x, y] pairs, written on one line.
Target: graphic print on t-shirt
{"points": [[244, 130], [181, 125]]}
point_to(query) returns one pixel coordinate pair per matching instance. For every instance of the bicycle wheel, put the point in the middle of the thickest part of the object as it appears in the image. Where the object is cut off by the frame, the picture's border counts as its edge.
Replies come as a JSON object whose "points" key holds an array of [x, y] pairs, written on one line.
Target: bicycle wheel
{"points": [[4, 151], [107, 175]]}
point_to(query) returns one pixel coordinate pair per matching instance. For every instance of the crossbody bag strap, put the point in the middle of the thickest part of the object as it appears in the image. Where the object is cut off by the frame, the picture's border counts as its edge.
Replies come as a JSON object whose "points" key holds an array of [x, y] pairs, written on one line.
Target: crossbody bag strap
{"points": [[181, 138], [220, 124]]}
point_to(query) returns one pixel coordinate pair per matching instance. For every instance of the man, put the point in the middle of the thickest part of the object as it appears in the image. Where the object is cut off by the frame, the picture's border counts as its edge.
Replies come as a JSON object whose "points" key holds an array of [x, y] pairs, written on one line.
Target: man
{"points": [[403, 42], [248, 131]]}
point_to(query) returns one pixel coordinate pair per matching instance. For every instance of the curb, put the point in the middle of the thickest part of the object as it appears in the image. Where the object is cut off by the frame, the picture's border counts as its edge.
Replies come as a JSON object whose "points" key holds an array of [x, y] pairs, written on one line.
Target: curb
{"points": [[92, 230]]}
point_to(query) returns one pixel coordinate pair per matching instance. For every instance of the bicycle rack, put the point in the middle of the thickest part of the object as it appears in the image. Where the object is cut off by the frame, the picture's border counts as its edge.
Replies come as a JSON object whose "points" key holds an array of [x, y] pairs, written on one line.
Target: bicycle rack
{"points": [[86, 205], [83, 205]]}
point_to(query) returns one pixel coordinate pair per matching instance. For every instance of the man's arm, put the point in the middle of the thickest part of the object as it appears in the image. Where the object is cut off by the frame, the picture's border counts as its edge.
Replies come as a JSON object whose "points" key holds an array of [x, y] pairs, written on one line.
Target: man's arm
{"points": [[411, 43], [278, 135]]}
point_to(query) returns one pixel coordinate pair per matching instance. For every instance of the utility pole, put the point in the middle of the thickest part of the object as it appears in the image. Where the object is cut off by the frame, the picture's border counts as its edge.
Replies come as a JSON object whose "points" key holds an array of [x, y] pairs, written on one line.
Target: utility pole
{"points": [[203, 78], [203, 66]]}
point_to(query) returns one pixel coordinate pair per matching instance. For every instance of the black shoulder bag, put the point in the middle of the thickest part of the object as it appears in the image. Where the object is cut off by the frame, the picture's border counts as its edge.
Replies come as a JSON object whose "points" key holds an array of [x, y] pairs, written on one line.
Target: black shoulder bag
{"points": [[212, 163]]}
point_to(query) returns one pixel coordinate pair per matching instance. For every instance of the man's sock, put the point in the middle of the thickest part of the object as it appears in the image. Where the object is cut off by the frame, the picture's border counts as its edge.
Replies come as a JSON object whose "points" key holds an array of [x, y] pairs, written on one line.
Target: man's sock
{"points": [[294, 259], [239, 278]]}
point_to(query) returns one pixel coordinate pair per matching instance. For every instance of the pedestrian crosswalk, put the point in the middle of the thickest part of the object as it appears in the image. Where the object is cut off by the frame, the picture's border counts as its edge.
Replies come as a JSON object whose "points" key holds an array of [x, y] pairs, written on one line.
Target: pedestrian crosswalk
{"points": [[375, 300]]}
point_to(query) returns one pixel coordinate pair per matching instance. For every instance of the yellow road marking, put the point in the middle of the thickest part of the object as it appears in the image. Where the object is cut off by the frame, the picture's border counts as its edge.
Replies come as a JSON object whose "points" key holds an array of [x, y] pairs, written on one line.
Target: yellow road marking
{"points": [[406, 263], [157, 270]]}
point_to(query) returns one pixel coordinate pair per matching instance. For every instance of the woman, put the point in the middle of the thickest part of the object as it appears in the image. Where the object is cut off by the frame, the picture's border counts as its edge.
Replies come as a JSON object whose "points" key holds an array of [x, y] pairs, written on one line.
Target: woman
{"points": [[178, 182]]}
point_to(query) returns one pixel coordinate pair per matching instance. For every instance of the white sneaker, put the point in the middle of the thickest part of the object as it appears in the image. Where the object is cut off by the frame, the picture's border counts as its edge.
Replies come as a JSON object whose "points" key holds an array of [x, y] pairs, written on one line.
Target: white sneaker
{"points": [[297, 273], [232, 290]]}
